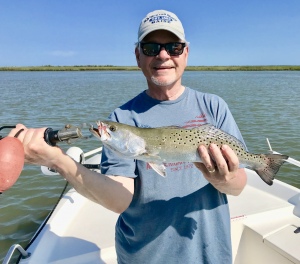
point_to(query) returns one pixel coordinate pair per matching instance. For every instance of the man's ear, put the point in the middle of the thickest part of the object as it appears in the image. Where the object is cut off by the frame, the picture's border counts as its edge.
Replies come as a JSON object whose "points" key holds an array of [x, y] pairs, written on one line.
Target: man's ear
{"points": [[137, 56], [187, 54]]}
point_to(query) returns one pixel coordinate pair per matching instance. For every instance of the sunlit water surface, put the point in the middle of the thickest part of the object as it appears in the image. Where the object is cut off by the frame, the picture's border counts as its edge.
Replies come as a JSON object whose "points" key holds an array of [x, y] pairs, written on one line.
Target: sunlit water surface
{"points": [[264, 104]]}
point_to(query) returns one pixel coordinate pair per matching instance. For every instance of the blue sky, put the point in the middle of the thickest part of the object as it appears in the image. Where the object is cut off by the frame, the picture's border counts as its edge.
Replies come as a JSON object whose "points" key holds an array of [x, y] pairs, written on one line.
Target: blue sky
{"points": [[97, 32]]}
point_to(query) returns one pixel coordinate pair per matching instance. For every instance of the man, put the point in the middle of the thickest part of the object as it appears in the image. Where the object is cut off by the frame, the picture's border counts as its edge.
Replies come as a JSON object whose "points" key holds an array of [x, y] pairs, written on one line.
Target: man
{"points": [[184, 217]]}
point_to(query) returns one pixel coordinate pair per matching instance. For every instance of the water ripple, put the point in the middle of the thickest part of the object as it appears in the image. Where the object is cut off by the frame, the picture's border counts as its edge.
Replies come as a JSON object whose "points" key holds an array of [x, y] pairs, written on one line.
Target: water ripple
{"points": [[264, 104]]}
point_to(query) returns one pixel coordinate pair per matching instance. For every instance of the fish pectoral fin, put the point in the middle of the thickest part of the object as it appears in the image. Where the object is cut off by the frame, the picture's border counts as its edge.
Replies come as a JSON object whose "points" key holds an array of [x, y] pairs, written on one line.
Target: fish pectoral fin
{"points": [[159, 168]]}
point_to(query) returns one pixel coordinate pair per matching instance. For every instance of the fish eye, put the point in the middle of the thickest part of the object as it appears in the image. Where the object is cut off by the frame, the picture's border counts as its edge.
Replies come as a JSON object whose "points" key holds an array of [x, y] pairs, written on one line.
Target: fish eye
{"points": [[112, 128]]}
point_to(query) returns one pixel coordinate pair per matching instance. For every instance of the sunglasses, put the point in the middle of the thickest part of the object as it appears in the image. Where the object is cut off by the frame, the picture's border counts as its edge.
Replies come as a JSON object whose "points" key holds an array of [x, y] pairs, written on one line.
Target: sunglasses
{"points": [[153, 49]]}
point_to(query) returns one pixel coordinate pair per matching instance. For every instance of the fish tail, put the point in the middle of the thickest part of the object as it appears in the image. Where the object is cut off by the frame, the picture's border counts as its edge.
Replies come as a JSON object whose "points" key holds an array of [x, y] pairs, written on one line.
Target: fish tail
{"points": [[269, 166]]}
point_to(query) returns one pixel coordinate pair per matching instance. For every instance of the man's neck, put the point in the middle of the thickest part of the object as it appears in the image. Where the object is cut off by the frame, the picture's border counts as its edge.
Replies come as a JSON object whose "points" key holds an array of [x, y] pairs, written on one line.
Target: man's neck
{"points": [[165, 93]]}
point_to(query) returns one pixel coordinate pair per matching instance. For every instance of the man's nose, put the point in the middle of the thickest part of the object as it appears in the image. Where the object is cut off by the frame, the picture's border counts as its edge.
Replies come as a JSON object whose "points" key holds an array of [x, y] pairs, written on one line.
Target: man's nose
{"points": [[163, 53]]}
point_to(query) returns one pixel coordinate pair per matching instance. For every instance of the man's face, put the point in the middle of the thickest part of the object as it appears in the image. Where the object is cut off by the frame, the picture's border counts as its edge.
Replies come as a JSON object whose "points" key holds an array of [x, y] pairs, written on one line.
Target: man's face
{"points": [[163, 69]]}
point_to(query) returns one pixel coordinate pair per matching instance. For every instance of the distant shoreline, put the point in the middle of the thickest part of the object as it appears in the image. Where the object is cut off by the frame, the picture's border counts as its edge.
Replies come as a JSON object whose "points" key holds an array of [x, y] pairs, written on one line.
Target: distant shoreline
{"points": [[135, 68]]}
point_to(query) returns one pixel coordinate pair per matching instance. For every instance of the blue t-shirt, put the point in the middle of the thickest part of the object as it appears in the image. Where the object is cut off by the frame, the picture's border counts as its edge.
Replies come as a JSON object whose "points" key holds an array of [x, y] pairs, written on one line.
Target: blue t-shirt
{"points": [[181, 218]]}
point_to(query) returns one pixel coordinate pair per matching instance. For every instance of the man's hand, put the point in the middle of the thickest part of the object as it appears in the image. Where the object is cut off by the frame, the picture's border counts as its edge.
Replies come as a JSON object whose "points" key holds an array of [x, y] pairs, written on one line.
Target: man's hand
{"points": [[36, 150], [221, 168]]}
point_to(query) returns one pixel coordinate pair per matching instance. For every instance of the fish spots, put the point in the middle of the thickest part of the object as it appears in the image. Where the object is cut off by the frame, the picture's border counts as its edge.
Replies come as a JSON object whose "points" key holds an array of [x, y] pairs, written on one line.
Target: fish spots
{"points": [[174, 144], [190, 139]]}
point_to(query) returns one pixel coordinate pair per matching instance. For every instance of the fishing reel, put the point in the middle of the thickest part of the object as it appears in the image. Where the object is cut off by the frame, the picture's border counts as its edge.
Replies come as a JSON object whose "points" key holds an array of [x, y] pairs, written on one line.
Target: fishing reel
{"points": [[68, 134]]}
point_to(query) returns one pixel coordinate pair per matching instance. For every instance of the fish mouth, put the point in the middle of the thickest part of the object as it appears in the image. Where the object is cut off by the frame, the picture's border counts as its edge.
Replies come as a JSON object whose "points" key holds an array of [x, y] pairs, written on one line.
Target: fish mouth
{"points": [[101, 131], [95, 132]]}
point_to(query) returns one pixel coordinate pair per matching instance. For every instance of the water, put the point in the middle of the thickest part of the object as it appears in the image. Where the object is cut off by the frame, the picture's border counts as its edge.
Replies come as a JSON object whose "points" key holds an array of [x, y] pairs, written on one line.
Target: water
{"points": [[264, 104]]}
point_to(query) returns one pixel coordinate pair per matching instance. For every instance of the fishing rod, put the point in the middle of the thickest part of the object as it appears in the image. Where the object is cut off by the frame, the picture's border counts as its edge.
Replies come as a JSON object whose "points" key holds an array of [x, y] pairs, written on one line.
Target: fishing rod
{"points": [[289, 160], [12, 155]]}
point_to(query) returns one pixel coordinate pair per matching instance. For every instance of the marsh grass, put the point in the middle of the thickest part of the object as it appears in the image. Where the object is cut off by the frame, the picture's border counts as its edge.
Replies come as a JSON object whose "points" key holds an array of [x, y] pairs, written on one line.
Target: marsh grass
{"points": [[135, 68]]}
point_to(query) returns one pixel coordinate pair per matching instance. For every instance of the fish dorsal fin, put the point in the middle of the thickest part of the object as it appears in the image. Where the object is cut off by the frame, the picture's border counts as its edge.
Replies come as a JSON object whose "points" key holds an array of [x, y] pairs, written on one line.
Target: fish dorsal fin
{"points": [[211, 129], [212, 132], [207, 126]]}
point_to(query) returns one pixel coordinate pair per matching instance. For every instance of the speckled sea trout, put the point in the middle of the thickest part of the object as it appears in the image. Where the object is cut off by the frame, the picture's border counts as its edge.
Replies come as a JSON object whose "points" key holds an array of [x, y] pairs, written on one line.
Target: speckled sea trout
{"points": [[174, 144]]}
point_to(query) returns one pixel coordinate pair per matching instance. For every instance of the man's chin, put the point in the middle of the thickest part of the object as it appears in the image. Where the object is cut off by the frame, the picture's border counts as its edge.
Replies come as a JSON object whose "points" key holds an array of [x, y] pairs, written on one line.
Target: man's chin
{"points": [[159, 81]]}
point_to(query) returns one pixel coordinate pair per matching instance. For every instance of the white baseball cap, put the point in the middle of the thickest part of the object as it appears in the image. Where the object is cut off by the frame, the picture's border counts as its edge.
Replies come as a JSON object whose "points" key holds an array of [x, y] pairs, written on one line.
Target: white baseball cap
{"points": [[161, 19]]}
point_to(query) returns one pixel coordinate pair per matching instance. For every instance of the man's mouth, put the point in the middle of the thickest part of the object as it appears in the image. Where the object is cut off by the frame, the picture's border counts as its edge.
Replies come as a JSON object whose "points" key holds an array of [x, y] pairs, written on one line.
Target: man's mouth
{"points": [[159, 65], [157, 68]]}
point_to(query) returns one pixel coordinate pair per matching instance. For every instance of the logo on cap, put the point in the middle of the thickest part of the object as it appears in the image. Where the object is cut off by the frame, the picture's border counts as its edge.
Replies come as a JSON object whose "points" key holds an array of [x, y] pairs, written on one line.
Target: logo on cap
{"points": [[166, 18]]}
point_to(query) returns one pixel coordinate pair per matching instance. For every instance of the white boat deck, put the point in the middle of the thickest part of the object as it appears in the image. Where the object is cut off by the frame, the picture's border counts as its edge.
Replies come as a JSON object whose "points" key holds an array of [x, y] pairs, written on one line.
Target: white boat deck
{"points": [[263, 223], [263, 226], [79, 231]]}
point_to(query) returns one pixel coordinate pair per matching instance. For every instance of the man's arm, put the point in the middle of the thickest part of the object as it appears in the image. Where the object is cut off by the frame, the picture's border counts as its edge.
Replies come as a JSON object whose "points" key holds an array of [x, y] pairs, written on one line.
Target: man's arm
{"points": [[112, 192]]}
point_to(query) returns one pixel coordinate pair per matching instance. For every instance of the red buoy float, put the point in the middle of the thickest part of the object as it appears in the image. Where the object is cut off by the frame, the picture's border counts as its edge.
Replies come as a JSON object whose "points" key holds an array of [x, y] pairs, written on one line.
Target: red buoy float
{"points": [[11, 162]]}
